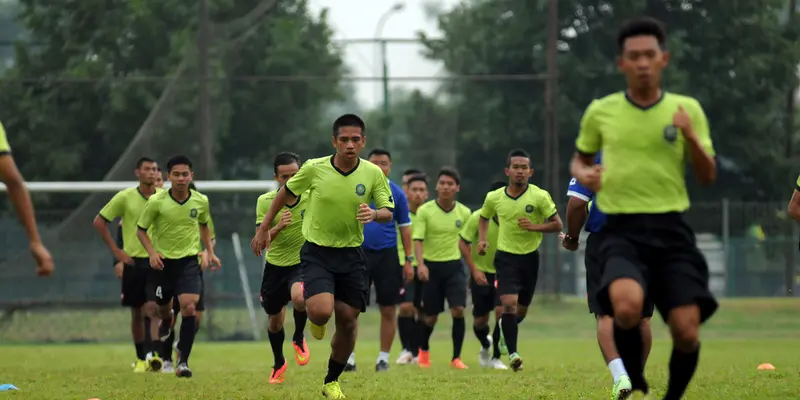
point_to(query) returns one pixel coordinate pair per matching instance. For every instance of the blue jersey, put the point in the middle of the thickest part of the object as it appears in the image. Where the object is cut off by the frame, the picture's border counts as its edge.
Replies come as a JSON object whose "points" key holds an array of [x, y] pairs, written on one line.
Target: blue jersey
{"points": [[379, 236], [596, 218]]}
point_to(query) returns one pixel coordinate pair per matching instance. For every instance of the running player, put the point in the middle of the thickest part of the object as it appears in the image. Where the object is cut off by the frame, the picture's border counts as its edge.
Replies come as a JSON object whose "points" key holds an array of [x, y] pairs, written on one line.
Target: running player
{"points": [[21, 199], [138, 279], [408, 326], [282, 281], [333, 266], [482, 285], [179, 218], [436, 243], [525, 213], [580, 210], [648, 251], [380, 249]]}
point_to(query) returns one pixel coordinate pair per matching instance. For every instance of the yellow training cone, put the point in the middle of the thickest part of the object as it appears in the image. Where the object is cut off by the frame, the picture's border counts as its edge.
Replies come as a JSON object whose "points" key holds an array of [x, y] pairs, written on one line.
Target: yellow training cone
{"points": [[766, 366]]}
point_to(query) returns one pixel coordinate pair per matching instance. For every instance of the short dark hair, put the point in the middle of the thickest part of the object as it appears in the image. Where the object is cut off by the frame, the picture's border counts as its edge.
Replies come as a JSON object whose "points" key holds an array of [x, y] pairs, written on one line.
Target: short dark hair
{"points": [[516, 153], [380, 152], [497, 185], [418, 178], [411, 171], [192, 186], [158, 167], [348, 120], [643, 26], [285, 158], [179, 159], [143, 160], [449, 172]]}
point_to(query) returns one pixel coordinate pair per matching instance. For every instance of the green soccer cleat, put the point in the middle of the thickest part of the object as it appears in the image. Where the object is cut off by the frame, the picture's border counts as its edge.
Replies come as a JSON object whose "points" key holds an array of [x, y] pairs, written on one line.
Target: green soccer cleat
{"points": [[333, 391], [503, 347], [516, 362], [622, 388]]}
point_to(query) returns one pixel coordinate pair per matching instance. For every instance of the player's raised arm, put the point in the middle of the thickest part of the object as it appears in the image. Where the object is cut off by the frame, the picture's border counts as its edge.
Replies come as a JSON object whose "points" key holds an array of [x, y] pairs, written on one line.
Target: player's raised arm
{"points": [[21, 199], [287, 194], [589, 143], [694, 126], [112, 210]]}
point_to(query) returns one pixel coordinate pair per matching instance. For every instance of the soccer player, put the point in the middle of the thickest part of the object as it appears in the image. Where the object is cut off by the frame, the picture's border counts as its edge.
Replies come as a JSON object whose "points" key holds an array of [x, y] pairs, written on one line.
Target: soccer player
{"points": [[179, 218], [333, 266], [21, 199], [648, 251], [482, 285], [282, 281], [380, 249], [582, 210], [415, 185], [138, 279], [159, 178], [435, 235], [525, 212]]}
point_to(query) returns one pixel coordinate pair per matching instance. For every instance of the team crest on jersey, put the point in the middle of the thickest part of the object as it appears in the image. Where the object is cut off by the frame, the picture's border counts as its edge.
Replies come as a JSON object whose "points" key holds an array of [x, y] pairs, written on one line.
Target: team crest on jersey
{"points": [[458, 223], [361, 189], [529, 208], [670, 133], [193, 213]]}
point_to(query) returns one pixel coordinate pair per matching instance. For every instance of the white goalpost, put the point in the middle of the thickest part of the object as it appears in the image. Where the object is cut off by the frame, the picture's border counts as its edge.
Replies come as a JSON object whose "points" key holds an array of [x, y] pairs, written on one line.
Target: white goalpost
{"points": [[238, 186]]}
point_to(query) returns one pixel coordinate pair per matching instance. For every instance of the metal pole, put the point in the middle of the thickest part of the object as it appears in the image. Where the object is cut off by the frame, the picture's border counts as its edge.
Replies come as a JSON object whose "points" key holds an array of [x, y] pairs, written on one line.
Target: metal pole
{"points": [[551, 118], [790, 131]]}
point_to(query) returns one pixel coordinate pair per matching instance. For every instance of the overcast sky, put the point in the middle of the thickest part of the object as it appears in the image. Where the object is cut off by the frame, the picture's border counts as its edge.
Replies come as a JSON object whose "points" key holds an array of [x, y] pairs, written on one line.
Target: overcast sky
{"points": [[358, 19]]}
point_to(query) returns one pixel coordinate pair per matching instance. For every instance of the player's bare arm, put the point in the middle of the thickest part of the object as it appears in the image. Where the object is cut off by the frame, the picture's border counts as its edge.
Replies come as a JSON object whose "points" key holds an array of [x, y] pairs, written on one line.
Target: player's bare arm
{"points": [[576, 218], [155, 258], [703, 164], [466, 254], [584, 169], [422, 269], [262, 239], [553, 224], [101, 226], [483, 228], [794, 206], [21, 200], [408, 246], [208, 242]]}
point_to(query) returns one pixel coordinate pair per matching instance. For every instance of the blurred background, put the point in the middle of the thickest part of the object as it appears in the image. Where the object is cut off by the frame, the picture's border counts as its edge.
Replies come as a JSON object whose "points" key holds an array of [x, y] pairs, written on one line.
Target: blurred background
{"points": [[87, 87]]}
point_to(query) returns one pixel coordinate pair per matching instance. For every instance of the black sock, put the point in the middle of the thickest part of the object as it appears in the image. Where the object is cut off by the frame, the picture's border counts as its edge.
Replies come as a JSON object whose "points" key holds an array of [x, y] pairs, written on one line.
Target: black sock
{"points": [[334, 371], [147, 323], [629, 346], [166, 327], [141, 353], [458, 332], [155, 347], [496, 341], [416, 337], [481, 334], [510, 330], [405, 327], [425, 336], [681, 369], [300, 318], [276, 341], [187, 338], [166, 346]]}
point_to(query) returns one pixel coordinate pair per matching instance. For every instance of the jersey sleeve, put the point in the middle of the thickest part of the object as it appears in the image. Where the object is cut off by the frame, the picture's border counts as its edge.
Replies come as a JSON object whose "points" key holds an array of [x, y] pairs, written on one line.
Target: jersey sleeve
{"points": [[577, 190], [115, 208], [205, 212], [5, 148], [301, 181], [469, 232], [701, 129], [262, 207], [381, 192], [149, 215], [547, 206], [488, 209], [418, 230], [589, 139], [401, 213]]}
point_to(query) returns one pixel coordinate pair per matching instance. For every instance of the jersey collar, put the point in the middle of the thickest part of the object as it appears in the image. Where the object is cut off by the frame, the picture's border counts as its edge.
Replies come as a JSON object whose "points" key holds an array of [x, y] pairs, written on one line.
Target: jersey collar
{"points": [[358, 162], [505, 190], [180, 202]]}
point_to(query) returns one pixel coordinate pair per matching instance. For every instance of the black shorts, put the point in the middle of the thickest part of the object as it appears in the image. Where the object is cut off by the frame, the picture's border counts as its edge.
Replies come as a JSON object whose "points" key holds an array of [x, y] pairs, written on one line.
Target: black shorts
{"points": [[412, 292], [201, 302], [484, 297], [276, 286], [340, 271], [594, 277], [179, 276], [517, 274], [447, 280], [386, 273], [138, 283], [658, 251]]}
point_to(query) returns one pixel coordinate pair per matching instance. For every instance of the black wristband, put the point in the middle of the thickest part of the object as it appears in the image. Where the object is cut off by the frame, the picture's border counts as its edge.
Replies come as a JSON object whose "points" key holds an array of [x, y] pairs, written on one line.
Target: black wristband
{"points": [[570, 239]]}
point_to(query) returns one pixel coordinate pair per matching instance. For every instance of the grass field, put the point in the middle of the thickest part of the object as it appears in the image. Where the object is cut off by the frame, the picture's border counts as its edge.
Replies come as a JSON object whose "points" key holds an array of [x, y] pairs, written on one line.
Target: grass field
{"points": [[562, 362]]}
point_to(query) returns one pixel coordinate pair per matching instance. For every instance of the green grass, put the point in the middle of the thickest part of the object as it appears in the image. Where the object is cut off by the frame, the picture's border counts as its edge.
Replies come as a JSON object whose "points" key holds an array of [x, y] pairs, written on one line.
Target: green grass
{"points": [[561, 358]]}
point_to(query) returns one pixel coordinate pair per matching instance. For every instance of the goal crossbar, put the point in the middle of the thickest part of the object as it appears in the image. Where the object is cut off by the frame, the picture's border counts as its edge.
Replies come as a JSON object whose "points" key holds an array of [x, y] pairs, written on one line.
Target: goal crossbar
{"points": [[115, 186]]}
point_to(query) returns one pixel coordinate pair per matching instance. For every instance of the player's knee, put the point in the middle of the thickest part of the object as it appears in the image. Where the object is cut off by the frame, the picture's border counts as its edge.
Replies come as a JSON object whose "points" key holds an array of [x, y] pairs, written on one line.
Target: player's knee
{"points": [[481, 322], [137, 313], [457, 312], [275, 323], [430, 320], [388, 312], [644, 326], [684, 325], [627, 313], [510, 307], [188, 309], [406, 310]]}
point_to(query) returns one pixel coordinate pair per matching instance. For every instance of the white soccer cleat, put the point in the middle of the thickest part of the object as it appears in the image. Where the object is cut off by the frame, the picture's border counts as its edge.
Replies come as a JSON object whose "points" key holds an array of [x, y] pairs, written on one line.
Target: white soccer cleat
{"points": [[405, 357], [168, 368], [484, 358], [497, 364]]}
